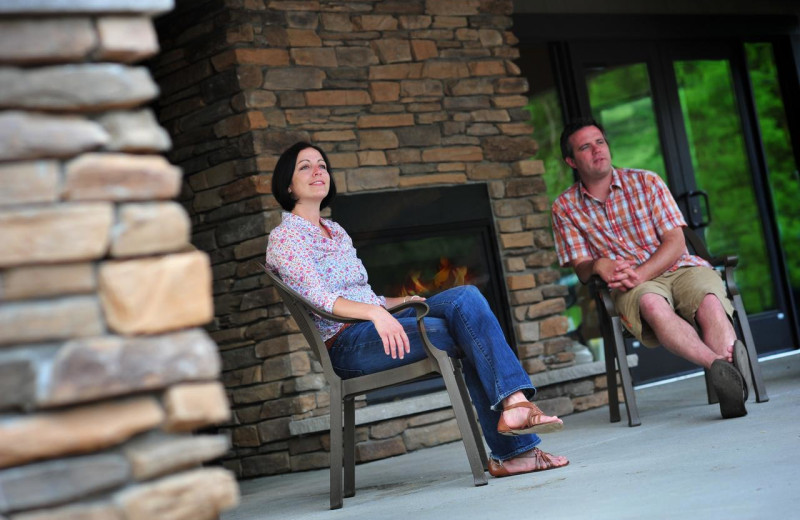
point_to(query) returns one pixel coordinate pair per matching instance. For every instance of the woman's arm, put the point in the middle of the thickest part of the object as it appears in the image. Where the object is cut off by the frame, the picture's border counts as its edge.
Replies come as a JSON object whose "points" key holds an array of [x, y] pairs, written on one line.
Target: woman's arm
{"points": [[395, 301], [294, 263], [295, 266], [394, 338]]}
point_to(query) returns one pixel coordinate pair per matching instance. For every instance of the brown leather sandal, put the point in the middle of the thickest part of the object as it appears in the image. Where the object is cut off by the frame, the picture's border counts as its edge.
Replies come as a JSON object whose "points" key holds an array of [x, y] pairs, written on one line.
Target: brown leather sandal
{"points": [[544, 461], [533, 424]]}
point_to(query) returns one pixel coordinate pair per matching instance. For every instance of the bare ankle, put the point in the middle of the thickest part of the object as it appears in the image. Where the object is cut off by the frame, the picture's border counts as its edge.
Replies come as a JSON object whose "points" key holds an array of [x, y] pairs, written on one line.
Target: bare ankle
{"points": [[516, 397]]}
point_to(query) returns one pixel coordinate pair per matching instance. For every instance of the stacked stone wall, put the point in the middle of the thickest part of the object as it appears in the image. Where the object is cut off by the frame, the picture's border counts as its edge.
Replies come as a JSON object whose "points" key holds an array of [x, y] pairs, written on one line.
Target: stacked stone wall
{"points": [[105, 369], [400, 94]]}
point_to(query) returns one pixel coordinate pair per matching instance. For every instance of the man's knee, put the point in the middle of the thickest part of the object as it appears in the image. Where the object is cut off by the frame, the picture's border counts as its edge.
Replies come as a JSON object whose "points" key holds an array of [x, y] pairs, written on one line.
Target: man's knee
{"points": [[652, 301], [710, 306], [652, 306], [710, 301]]}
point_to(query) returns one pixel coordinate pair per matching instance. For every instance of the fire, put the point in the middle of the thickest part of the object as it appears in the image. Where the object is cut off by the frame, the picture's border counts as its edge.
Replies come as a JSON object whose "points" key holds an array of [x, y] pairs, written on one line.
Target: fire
{"points": [[448, 275]]}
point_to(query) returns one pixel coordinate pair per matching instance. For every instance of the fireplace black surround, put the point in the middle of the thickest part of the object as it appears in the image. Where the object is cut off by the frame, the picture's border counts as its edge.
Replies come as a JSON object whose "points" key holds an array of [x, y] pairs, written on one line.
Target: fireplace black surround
{"points": [[421, 241]]}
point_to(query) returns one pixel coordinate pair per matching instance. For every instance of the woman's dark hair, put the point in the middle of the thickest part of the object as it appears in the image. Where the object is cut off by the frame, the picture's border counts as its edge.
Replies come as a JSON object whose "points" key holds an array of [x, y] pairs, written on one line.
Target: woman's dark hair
{"points": [[572, 127], [284, 171]]}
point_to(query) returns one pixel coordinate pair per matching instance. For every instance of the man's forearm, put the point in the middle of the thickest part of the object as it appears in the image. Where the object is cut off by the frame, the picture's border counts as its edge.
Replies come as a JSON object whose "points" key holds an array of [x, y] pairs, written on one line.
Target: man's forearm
{"points": [[671, 248], [584, 269]]}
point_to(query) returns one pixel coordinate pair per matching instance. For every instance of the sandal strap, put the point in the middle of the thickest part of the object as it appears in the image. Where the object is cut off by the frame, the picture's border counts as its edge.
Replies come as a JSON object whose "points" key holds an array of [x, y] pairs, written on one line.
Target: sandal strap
{"points": [[544, 461], [534, 416], [525, 404]]}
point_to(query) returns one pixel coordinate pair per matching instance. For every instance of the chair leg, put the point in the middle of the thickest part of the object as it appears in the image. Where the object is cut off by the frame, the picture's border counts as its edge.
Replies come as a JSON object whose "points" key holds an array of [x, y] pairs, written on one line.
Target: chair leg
{"points": [[752, 354], [625, 374], [473, 421], [349, 448], [469, 433], [611, 370], [337, 499], [611, 378]]}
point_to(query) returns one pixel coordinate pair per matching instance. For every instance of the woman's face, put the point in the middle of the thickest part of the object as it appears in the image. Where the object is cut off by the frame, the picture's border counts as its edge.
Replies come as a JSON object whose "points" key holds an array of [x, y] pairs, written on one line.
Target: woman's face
{"points": [[311, 180]]}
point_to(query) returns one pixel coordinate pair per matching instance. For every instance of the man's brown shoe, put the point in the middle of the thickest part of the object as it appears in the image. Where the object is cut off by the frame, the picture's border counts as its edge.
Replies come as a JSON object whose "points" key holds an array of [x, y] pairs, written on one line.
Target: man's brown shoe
{"points": [[730, 387]]}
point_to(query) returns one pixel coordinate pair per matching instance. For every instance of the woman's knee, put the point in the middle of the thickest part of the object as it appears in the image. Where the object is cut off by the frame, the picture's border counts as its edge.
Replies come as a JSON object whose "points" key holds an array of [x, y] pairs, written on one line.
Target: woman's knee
{"points": [[469, 292]]}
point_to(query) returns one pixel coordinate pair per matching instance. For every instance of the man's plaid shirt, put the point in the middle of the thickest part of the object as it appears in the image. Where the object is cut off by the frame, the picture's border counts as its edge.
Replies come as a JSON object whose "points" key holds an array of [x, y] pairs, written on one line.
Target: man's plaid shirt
{"points": [[628, 225]]}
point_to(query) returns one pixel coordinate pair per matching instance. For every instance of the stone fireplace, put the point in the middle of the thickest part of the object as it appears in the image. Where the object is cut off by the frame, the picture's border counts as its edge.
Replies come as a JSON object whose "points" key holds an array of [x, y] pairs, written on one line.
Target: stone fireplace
{"points": [[425, 240], [404, 97], [422, 241]]}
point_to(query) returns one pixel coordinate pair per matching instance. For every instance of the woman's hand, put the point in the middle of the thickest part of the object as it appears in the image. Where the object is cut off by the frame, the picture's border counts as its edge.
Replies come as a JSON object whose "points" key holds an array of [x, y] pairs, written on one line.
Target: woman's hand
{"points": [[393, 336], [395, 301]]}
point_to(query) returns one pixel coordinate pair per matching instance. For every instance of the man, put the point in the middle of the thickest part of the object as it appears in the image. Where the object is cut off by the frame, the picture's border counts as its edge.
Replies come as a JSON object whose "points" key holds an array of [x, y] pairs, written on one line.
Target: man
{"points": [[624, 226]]}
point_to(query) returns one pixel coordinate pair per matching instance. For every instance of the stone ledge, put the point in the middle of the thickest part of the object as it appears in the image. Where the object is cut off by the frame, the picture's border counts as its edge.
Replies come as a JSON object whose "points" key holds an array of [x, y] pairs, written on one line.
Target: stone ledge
{"points": [[438, 400], [86, 6], [576, 372]]}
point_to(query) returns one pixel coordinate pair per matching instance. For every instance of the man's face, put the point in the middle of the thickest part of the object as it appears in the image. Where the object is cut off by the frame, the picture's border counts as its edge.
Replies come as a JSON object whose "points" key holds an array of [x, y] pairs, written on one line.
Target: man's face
{"points": [[591, 156]]}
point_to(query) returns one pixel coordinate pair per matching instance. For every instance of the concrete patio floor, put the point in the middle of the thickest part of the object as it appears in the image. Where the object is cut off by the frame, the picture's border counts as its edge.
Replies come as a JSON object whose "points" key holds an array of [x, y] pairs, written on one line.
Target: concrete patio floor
{"points": [[683, 462]]}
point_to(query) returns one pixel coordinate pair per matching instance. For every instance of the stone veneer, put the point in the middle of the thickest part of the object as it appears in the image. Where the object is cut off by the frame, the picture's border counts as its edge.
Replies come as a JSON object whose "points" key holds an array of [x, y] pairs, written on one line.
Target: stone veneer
{"points": [[105, 370], [400, 94]]}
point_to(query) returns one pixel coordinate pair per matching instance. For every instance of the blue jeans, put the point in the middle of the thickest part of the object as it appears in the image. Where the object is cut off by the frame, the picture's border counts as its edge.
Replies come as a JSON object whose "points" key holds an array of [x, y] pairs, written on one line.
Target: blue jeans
{"points": [[461, 323]]}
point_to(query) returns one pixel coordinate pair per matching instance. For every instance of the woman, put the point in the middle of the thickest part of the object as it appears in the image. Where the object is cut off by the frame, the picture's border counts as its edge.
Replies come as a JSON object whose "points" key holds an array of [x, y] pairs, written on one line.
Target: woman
{"points": [[315, 256]]}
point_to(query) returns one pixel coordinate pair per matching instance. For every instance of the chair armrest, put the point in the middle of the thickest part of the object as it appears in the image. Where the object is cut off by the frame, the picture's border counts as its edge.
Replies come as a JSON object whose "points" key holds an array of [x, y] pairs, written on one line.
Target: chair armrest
{"points": [[601, 292], [730, 261], [596, 282], [724, 261], [420, 307]]}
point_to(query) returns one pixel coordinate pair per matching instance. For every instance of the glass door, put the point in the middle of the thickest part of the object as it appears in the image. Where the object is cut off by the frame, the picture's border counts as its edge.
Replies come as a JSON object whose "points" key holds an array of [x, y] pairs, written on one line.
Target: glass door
{"points": [[680, 113]]}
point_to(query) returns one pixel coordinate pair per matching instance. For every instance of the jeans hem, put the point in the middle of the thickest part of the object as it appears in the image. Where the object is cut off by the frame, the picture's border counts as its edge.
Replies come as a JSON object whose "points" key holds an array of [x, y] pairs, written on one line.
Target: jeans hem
{"points": [[529, 391], [518, 451]]}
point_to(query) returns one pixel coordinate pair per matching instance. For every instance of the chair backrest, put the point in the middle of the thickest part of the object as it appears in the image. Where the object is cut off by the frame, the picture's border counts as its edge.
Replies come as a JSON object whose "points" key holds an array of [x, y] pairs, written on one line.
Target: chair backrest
{"points": [[301, 309], [695, 244]]}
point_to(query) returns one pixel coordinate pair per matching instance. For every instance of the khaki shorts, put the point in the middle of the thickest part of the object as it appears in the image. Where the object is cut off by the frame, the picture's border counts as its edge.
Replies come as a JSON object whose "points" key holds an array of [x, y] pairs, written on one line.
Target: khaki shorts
{"points": [[683, 288]]}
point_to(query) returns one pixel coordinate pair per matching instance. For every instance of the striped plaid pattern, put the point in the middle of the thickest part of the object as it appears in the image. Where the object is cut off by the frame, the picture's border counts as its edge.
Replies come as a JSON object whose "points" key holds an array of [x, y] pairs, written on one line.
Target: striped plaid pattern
{"points": [[628, 225]]}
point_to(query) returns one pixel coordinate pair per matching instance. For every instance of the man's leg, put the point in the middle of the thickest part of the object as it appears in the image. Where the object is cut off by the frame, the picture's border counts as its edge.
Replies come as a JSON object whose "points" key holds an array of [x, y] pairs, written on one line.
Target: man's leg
{"points": [[700, 298], [675, 333], [679, 336], [716, 327]]}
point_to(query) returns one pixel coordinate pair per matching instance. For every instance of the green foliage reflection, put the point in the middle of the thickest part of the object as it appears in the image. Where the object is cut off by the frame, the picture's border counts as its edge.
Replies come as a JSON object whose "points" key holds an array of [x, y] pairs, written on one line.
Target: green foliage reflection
{"points": [[784, 180], [621, 100], [722, 170]]}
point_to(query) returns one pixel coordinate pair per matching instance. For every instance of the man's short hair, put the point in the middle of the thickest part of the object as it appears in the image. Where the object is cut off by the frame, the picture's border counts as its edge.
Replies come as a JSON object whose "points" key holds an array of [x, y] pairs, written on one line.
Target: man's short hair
{"points": [[573, 126]]}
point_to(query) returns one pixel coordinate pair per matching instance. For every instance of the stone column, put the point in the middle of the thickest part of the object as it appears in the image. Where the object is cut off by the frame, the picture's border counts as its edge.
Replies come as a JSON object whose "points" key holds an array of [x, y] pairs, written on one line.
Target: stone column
{"points": [[105, 371]]}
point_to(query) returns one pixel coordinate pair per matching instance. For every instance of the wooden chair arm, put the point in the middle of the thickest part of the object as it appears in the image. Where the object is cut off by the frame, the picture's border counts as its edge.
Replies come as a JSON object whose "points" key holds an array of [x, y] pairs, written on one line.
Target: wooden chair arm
{"points": [[599, 289], [724, 261], [420, 307]]}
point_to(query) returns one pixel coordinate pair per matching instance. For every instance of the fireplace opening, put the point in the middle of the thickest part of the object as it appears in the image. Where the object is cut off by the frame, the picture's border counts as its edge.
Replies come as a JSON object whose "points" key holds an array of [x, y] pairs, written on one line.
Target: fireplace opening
{"points": [[423, 241]]}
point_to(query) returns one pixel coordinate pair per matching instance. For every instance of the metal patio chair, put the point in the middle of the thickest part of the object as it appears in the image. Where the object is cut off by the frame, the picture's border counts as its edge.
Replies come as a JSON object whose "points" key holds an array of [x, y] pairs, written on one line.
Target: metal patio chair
{"points": [[343, 391], [614, 335]]}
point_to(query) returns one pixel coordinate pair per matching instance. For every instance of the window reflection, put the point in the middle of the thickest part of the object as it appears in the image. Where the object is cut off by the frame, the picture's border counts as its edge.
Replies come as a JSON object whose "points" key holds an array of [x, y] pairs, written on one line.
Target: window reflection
{"points": [[722, 170], [784, 178], [622, 102]]}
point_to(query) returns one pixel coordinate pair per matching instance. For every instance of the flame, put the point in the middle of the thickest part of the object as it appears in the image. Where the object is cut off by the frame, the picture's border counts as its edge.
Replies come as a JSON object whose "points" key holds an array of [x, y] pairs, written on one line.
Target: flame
{"points": [[448, 275]]}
